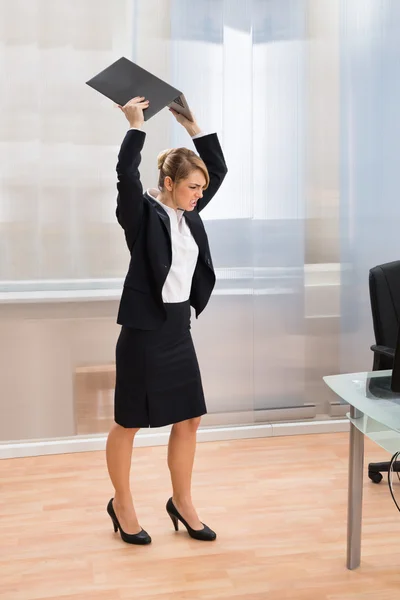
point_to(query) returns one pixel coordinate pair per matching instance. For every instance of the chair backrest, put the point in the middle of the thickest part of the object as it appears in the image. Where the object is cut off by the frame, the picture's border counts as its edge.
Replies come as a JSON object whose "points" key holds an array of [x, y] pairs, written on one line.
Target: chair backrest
{"points": [[384, 291]]}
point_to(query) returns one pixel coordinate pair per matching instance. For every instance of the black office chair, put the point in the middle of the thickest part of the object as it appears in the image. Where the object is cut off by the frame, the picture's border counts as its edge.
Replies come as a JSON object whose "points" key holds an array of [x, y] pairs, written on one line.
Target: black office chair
{"points": [[384, 291]]}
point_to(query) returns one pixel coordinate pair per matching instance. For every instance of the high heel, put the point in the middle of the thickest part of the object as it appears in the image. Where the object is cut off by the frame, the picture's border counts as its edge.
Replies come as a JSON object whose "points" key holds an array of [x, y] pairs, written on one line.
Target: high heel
{"points": [[206, 534], [140, 538], [175, 521]]}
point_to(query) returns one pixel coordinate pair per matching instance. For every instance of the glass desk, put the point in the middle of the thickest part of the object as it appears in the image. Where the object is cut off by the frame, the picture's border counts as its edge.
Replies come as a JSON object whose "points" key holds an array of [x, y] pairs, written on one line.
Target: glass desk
{"points": [[374, 412]]}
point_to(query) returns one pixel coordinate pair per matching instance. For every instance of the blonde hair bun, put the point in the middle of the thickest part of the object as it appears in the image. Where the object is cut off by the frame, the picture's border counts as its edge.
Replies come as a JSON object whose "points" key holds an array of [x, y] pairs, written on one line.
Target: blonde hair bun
{"points": [[181, 162], [162, 156]]}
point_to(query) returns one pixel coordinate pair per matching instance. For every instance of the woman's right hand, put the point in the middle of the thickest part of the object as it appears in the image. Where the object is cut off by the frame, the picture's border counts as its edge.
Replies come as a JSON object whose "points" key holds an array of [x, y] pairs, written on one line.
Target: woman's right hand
{"points": [[133, 111]]}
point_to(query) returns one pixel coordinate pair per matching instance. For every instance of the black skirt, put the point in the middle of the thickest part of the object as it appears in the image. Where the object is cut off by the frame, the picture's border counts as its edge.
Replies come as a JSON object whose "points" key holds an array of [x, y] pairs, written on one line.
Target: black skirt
{"points": [[158, 379]]}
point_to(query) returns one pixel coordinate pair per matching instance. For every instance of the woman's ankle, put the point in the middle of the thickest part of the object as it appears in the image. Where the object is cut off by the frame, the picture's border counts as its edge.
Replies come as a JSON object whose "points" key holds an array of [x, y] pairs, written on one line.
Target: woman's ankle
{"points": [[123, 499], [182, 500]]}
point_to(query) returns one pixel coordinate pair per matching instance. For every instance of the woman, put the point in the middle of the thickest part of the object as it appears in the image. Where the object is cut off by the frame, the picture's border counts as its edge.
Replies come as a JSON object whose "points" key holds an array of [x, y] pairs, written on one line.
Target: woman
{"points": [[157, 375]]}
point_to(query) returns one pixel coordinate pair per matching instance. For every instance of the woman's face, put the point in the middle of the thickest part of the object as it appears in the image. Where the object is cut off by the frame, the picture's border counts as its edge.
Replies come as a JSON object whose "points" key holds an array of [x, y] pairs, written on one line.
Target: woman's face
{"points": [[187, 192]]}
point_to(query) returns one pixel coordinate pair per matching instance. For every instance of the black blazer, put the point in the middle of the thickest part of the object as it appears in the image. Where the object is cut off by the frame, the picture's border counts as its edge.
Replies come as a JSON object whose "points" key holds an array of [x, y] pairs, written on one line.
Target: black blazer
{"points": [[148, 236]]}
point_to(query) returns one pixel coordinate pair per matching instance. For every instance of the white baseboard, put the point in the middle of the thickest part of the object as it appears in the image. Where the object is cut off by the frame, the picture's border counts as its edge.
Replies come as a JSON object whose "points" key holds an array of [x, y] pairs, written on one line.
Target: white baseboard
{"points": [[160, 437]]}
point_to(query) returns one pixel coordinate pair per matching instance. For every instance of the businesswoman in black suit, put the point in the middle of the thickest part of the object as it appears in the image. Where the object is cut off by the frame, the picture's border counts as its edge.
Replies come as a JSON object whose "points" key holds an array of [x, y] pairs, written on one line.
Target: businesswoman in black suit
{"points": [[158, 380]]}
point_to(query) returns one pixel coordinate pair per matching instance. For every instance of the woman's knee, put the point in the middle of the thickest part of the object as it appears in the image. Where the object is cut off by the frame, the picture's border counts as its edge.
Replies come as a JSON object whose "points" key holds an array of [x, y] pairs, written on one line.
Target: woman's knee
{"points": [[187, 427], [127, 431]]}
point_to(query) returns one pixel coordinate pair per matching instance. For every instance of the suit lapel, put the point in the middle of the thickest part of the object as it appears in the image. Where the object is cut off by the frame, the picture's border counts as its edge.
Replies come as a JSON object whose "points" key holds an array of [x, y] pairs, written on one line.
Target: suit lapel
{"points": [[197, 230], [161, 213], [192, 219]]}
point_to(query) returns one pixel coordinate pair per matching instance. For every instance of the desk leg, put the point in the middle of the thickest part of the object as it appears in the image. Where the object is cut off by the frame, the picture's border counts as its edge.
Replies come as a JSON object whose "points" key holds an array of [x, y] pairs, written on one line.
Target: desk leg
{"points": [[355, 491]]}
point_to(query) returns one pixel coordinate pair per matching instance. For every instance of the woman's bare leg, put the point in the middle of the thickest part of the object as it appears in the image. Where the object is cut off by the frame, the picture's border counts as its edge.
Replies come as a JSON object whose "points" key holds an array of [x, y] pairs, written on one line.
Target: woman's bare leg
{"points": [[181, 453], [119, 456]]}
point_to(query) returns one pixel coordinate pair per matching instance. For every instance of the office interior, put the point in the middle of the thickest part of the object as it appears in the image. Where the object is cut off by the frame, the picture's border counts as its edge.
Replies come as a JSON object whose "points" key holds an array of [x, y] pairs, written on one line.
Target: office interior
{"points": [[304, 96]]}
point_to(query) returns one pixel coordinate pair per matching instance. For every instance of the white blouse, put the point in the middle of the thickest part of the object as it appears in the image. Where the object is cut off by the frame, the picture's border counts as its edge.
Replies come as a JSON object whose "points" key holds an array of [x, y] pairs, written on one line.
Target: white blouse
{"points": [[185, 252]]}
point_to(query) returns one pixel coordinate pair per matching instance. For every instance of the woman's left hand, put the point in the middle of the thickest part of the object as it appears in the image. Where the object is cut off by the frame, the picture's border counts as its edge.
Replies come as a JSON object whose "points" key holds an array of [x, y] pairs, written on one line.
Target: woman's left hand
{"points": [[191, 126]]}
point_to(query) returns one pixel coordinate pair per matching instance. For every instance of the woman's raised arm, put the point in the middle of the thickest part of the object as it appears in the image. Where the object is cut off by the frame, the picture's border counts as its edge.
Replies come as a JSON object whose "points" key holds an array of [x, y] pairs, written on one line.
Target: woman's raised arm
{"points": [[130, 191]]}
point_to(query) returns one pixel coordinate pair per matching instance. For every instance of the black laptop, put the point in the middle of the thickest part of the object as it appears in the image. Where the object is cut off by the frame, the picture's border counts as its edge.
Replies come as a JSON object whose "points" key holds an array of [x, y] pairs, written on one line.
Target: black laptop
{"points": [[395, 379], [386, 386], [124, 80]]}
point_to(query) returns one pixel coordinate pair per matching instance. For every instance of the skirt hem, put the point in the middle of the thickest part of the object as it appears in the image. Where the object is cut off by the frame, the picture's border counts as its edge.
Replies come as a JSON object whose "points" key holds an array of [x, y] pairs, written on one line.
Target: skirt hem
{"points": [[151, 426]]}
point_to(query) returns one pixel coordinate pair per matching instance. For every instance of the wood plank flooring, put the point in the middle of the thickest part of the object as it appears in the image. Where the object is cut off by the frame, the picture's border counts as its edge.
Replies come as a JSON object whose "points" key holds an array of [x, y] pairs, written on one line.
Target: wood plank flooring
{"points": [[277, 504]]}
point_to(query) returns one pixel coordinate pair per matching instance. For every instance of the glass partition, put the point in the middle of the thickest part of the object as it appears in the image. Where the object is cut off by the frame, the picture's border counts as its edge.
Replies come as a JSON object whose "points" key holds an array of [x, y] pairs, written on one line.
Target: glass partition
{"points": [[256, 74]]}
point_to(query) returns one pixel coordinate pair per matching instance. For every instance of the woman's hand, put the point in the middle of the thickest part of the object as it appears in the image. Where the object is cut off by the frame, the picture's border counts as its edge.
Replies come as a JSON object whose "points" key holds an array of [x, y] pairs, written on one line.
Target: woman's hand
{"points": [[191, 126], [133, 111]]}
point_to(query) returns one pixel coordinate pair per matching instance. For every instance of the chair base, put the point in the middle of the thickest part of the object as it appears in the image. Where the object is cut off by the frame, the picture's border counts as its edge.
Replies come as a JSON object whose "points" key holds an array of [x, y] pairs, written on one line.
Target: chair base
{"points": [[375, 470]]}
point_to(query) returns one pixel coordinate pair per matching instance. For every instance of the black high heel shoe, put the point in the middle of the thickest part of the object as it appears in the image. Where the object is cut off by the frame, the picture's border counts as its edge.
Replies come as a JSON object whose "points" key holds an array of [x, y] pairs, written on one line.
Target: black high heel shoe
{"points": [[206, 534], [140, 538]]}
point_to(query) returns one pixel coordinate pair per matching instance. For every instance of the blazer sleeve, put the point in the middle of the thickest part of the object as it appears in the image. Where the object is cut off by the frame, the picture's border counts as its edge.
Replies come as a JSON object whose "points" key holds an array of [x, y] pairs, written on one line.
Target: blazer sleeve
{"points": [[130, 200], [210, 152]]}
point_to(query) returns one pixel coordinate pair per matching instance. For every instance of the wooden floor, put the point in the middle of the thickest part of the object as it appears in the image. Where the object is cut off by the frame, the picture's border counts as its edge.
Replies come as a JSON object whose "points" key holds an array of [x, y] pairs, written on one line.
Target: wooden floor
{"points": [[277, 504]]}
